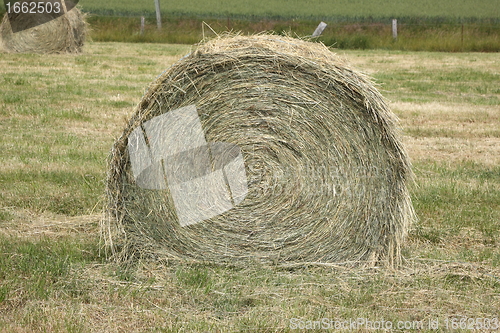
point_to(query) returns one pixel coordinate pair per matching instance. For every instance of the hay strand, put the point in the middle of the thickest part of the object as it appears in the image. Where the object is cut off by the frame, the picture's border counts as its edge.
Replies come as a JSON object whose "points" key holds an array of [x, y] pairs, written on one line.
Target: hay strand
{"points": [[326, 173]]}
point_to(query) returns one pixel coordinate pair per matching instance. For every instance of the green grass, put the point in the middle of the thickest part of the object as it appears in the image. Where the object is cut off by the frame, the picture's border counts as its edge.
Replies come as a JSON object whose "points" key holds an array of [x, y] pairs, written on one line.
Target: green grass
{"points": [[287, 9], [313, 8], [445, 25], [41, 269], [428, 36], [472, 189], [51, 158], [476, 86], [60, 115]]}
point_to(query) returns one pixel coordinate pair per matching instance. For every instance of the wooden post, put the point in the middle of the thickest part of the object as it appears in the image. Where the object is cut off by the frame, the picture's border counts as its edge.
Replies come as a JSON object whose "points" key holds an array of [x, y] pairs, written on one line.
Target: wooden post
{"points": [[158, 14], [462, 38], [319, 29], [394, 28], [143, 22]]}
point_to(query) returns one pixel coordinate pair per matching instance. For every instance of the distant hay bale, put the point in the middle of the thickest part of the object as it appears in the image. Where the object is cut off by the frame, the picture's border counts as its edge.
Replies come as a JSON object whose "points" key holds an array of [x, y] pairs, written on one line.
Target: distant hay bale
{"points": [[64, 34], [260, 148]]}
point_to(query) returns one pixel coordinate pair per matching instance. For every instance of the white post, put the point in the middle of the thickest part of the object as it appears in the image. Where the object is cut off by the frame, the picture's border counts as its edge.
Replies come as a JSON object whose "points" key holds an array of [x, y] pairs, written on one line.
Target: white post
{"points": [[319, 30], [394, 28], [158, 14], [143, 22]]}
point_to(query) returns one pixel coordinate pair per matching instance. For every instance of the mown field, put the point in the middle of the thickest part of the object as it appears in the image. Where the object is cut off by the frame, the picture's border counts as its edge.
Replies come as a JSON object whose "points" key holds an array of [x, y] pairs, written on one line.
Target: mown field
{"points": [[59, 116]]}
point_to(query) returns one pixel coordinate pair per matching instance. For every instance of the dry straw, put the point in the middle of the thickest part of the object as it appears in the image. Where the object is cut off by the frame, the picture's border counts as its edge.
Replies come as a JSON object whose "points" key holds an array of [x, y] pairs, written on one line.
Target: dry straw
{"points": [[327, 174], [65, 34]]}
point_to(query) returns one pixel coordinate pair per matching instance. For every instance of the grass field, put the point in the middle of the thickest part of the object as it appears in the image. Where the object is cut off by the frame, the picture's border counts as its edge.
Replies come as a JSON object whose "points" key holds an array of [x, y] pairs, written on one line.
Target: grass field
{"points": [[425, 25], [470, 37], [59, 117], [333, 10], [285, 9], [445, 25], [304, 9]]}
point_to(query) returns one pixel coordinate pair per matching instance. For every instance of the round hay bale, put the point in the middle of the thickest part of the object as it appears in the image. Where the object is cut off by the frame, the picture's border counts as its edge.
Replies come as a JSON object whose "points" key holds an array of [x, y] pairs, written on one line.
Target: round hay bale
{"points": [[64, 34], [260, 148]]}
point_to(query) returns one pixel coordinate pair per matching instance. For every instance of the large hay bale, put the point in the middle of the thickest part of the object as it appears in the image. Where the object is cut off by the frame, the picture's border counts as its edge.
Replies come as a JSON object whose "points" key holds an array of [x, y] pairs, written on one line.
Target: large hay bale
{"points": [[260, 148], [64, 34]]}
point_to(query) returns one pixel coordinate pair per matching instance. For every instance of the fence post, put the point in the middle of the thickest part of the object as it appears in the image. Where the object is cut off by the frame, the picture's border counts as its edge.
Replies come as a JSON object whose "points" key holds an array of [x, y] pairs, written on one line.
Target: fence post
{"points": [[462, 38], [158, 14], [394, 28], [319, 30], [143, 22]]}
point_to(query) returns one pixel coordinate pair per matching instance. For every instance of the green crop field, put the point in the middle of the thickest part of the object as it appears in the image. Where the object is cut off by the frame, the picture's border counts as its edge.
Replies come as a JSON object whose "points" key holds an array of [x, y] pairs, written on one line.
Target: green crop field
{"points": [[446, 25], [306, 8], [350, 9], [60, 114]]}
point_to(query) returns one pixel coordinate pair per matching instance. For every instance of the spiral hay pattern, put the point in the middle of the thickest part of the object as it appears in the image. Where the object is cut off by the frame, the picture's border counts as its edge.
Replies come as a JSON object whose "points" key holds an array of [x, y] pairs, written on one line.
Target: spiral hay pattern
{"points": [[326, 172], [65, 34]]}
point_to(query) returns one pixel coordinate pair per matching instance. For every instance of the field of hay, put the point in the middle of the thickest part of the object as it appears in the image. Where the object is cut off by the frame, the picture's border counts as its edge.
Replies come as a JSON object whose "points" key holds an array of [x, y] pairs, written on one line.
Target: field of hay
{"points": [[60, 115]]}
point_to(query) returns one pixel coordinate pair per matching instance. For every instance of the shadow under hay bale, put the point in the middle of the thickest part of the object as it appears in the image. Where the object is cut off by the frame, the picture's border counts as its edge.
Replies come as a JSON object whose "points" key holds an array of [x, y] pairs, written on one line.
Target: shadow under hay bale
{"points": [[315, 170], [64, 34]]}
